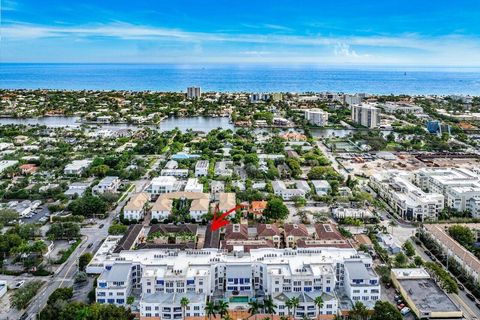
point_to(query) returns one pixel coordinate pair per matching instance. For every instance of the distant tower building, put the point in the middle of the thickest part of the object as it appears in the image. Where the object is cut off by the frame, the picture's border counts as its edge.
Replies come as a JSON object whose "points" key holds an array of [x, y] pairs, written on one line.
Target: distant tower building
{"points": [[436, 127], [354, 99], [366, 115], [277, 96], [259, 97], [193, 92], [316, 117]]}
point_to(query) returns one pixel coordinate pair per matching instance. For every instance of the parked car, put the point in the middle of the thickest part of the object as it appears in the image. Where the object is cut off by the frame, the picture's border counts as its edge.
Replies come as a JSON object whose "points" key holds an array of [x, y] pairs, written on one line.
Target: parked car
{"points": [[101, 226], [470, 296], [478, 305], [90, 245], [460, 287], [20, 283]]}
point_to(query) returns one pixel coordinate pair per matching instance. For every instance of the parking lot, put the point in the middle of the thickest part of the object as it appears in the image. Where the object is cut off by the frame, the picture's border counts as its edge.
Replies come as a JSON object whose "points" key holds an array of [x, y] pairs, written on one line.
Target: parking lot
{"points": [[39, 214]]}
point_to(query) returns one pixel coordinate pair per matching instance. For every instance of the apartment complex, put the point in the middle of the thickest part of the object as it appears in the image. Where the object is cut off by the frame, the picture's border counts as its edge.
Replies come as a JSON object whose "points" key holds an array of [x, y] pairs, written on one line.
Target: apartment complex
{"points": [[339, 276], [459, 186], [317, 117], [401, 107], [193, 93], [366, 115], [406, 199]]}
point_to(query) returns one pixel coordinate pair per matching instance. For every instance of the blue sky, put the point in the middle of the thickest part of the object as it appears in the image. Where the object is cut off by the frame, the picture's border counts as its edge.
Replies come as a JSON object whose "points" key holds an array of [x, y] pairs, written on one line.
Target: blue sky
{"points": [[354, 32]]}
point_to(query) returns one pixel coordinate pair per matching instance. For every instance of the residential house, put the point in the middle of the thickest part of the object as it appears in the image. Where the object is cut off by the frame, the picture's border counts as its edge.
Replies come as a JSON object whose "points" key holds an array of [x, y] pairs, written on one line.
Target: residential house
{"points": [[136, 207]]}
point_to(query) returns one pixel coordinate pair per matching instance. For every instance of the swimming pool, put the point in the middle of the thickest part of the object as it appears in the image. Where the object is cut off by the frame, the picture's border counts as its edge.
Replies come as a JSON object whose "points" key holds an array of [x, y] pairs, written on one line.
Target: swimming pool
{"points": [[239, 299]]}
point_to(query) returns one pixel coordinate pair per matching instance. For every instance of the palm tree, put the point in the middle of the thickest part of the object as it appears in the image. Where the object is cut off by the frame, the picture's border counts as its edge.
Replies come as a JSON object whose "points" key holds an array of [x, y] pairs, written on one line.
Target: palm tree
{"points": [[295, 303], [289, 305], [222, 308], [184, 303], [359, 311], [269, 306], [319, 303], [392, 224], [254, 308], [210, 309], [83, 313]]}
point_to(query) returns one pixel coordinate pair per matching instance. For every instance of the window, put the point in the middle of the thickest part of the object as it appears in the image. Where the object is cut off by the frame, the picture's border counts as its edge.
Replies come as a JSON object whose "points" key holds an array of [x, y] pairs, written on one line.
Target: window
{"points": [[120, 301]]}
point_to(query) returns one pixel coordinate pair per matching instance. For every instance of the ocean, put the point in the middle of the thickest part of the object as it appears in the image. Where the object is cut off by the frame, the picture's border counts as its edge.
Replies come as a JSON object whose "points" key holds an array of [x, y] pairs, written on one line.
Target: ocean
{"points": [[237, 78]]}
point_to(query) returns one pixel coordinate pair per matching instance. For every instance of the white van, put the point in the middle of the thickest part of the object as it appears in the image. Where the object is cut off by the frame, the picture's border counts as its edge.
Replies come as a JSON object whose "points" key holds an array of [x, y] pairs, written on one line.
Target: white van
{"points": [[405, 311]]}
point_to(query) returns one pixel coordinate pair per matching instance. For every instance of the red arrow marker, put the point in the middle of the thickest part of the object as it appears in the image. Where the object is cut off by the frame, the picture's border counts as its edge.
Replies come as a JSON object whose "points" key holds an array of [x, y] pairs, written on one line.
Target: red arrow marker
{"points": [[220, 221]]}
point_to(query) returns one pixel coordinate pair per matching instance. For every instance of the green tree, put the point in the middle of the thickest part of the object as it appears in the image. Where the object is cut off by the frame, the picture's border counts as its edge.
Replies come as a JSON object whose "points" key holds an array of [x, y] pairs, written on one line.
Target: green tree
{"points": [[60, 294], [184, 303], [84, 260], [7, 216], [400, 259], [254, 308], [385, 310], [275, 210], [295, 301], [418, 261], [22, 296], [318, 303], [117, 229], [210, 310], [359, 311], [462, 234], [269, 306], [222, 308], [409, 249]]}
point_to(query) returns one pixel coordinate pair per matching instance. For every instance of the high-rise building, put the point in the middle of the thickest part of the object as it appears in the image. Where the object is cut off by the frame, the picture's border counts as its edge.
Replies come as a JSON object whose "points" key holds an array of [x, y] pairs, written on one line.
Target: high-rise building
{"points": [[366, 115], [316, 117], [194, 92]]}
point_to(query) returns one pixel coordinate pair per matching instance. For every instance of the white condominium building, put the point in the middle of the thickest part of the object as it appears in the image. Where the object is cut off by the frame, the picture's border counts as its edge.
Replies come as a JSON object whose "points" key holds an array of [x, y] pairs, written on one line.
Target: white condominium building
{"points": [[194, 92], [201, 168], [406, 199], [107, 184], [193, 185], [179, 173], [136, 206], [280, 189], [401, 107], [366, 115], [163, 184], [460, 187], [316, 117], [165, 276]]}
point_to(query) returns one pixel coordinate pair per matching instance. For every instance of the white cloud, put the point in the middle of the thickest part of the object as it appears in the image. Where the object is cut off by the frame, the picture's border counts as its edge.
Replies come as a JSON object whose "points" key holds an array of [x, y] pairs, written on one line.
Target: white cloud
{"points": [[343, 49], [453, 49]]}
